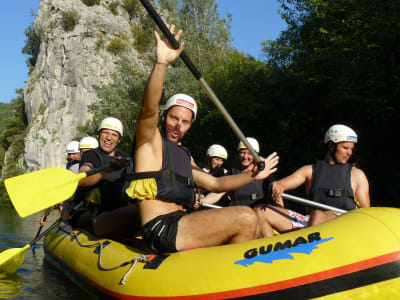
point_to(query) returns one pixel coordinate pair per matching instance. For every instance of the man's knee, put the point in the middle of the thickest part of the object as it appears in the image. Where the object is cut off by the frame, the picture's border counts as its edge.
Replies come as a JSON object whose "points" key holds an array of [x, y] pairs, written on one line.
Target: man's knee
{"points": [[248, 216]]}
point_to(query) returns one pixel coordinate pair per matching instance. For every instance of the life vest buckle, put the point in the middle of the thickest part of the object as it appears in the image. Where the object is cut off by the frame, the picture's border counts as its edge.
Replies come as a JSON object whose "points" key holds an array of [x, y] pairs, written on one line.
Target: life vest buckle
{"points": [[336, 192]]}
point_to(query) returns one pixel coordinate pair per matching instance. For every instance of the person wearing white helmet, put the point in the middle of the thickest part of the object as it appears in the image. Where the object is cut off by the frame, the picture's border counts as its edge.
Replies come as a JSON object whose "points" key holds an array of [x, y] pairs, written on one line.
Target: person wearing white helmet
{"points": [[107, 210], [333, 181], [164, 176], [255, 193], [216, 156], [74, 156], [88, 143]]}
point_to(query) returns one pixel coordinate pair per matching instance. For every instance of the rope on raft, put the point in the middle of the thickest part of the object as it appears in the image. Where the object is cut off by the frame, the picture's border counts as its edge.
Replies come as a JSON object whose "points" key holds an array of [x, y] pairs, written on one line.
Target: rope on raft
{"points": [[144, 258]]}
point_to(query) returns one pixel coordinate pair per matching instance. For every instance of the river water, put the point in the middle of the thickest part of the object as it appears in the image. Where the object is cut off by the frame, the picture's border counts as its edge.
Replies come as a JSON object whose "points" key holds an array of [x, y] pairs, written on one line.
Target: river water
{"points": [[36, 278]]}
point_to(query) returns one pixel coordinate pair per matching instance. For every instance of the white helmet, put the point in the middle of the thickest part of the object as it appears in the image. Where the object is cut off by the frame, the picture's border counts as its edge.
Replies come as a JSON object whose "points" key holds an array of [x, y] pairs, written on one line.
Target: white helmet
{"points": [[182, 100], [88, 142], [73, 147], [217, 151], [252, 141], [111, 123], [340, 133]]}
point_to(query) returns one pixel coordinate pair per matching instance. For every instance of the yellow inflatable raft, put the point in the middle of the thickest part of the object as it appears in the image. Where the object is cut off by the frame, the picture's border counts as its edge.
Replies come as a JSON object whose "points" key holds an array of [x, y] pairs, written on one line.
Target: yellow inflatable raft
{"points": [[356, 255]]}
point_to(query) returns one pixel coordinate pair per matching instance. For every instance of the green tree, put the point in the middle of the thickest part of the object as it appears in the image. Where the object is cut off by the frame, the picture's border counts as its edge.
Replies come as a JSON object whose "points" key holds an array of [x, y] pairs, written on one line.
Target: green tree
{"points": [[12, 140]]}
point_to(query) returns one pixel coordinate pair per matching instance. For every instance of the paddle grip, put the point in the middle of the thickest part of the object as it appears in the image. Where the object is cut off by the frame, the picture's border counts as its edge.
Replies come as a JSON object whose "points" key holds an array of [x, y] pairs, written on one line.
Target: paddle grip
{"points": [[164, 29]]}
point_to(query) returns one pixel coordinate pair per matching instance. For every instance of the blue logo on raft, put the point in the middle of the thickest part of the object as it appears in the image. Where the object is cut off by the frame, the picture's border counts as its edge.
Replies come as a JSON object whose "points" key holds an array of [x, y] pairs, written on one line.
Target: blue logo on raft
{"points": [[280, 250]]}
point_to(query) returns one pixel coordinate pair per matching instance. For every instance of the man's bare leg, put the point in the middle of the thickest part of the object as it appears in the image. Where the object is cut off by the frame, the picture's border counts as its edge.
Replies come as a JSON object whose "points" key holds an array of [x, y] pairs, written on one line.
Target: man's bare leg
{"points": [[213, 227], [273, 217], [320, 216]]}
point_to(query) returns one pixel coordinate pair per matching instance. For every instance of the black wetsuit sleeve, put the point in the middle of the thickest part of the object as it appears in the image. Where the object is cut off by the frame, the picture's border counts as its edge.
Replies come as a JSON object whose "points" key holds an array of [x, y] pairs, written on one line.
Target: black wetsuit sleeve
{"points": [[91, 159]]}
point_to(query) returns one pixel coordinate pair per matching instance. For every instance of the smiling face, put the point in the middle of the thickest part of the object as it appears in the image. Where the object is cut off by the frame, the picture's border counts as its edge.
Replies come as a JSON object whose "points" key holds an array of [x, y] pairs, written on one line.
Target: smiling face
{"points": [[177, 122], [344, 151], [74, 156], [109, 140], [216, 162], [246, 158]]}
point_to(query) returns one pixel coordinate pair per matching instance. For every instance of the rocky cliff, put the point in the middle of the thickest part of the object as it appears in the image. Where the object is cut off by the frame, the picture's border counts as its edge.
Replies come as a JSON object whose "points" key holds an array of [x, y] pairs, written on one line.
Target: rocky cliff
{"points": [[70, 67]]}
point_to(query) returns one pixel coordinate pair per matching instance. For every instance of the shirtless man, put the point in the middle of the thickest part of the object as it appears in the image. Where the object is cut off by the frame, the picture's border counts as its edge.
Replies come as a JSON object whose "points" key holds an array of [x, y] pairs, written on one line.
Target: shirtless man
{"points": [[164, 175]]}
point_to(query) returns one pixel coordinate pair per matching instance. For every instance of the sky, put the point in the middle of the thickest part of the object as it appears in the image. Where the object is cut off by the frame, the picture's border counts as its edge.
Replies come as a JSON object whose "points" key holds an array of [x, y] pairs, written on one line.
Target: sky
{"points": [[251, 24]]}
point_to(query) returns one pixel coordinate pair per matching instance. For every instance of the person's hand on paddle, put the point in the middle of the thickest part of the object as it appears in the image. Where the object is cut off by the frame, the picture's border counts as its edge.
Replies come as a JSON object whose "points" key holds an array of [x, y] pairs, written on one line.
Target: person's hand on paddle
{"points": [[199, 201], [166, 53], [119, 162], [270, 166], [43, 220]]}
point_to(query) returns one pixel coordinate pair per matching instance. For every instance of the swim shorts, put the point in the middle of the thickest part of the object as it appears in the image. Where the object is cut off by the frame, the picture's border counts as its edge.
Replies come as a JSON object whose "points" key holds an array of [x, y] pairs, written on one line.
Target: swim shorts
{"points": [[298, 220], [160, 233]]}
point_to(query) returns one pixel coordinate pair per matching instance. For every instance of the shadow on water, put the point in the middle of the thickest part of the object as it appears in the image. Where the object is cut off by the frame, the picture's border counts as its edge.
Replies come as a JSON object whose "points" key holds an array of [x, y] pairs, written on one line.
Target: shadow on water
{"points": [[36, 278]]}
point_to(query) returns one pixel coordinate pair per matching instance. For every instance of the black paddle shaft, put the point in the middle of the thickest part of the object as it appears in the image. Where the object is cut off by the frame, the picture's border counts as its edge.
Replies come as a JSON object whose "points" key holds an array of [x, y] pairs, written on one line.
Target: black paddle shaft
{"points": [[196, 73], [164, 29], [55, 224]]}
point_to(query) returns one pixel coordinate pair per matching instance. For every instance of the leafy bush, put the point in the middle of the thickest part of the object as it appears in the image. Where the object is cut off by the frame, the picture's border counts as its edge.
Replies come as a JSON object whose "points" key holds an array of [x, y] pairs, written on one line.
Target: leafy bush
{"points": [[69, 19], [132, 7], [116, 46], [42, 109], [113, 7], [91, 2], [143, 37]]}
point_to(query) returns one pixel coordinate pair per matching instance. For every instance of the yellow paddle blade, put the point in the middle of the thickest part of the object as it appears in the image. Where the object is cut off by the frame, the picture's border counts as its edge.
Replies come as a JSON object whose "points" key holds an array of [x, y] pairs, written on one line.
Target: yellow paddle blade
{"points": [[11, 259], [36, 191]]}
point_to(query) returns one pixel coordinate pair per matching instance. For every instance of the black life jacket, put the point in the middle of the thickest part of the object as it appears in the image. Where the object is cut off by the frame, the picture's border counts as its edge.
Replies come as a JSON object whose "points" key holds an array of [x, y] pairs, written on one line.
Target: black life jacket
{"points": [[175, 179], [332, 185], [109, 191], [250, 194]]}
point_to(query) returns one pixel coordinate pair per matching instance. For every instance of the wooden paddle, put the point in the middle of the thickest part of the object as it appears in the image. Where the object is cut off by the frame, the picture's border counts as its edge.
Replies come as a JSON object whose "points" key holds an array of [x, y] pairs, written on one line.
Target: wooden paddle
{"points": [[11, 259], [36, 191]]}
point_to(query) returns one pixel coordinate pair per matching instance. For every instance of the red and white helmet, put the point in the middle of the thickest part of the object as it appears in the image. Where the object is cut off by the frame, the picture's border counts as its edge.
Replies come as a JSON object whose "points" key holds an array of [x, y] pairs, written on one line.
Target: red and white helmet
{"points": [[113, 124], [88, 142], [340, 133], [252, 141], [73, 147], [182, 100], [217, 151]]}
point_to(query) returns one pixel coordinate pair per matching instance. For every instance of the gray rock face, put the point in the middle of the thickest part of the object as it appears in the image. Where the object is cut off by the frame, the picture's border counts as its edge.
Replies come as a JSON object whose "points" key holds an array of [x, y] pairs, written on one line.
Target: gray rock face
{"points": [[70, 68]]}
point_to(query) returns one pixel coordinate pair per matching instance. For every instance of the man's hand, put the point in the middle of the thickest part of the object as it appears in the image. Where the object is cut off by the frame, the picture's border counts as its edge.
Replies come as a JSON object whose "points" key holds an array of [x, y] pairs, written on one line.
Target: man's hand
{"points": [[119, 162], [166, 53], [277, 191], [270, 166]]}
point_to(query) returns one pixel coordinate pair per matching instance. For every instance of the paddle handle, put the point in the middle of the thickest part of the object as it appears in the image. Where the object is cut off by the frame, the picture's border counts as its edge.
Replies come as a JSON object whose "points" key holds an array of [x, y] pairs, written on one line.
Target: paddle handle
{"points": [[208, 205], [196, 73], [55, 224], [312, 203], [295, 199]]}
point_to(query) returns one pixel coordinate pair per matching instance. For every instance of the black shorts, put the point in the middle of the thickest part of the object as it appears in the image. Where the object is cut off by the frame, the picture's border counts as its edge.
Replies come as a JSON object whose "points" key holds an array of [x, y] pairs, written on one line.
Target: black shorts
{"points": [[160, 233]]}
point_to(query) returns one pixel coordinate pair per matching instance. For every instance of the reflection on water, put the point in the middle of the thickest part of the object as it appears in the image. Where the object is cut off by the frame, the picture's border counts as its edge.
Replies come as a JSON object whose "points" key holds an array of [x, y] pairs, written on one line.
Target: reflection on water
{"points": [[35, 279]]}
